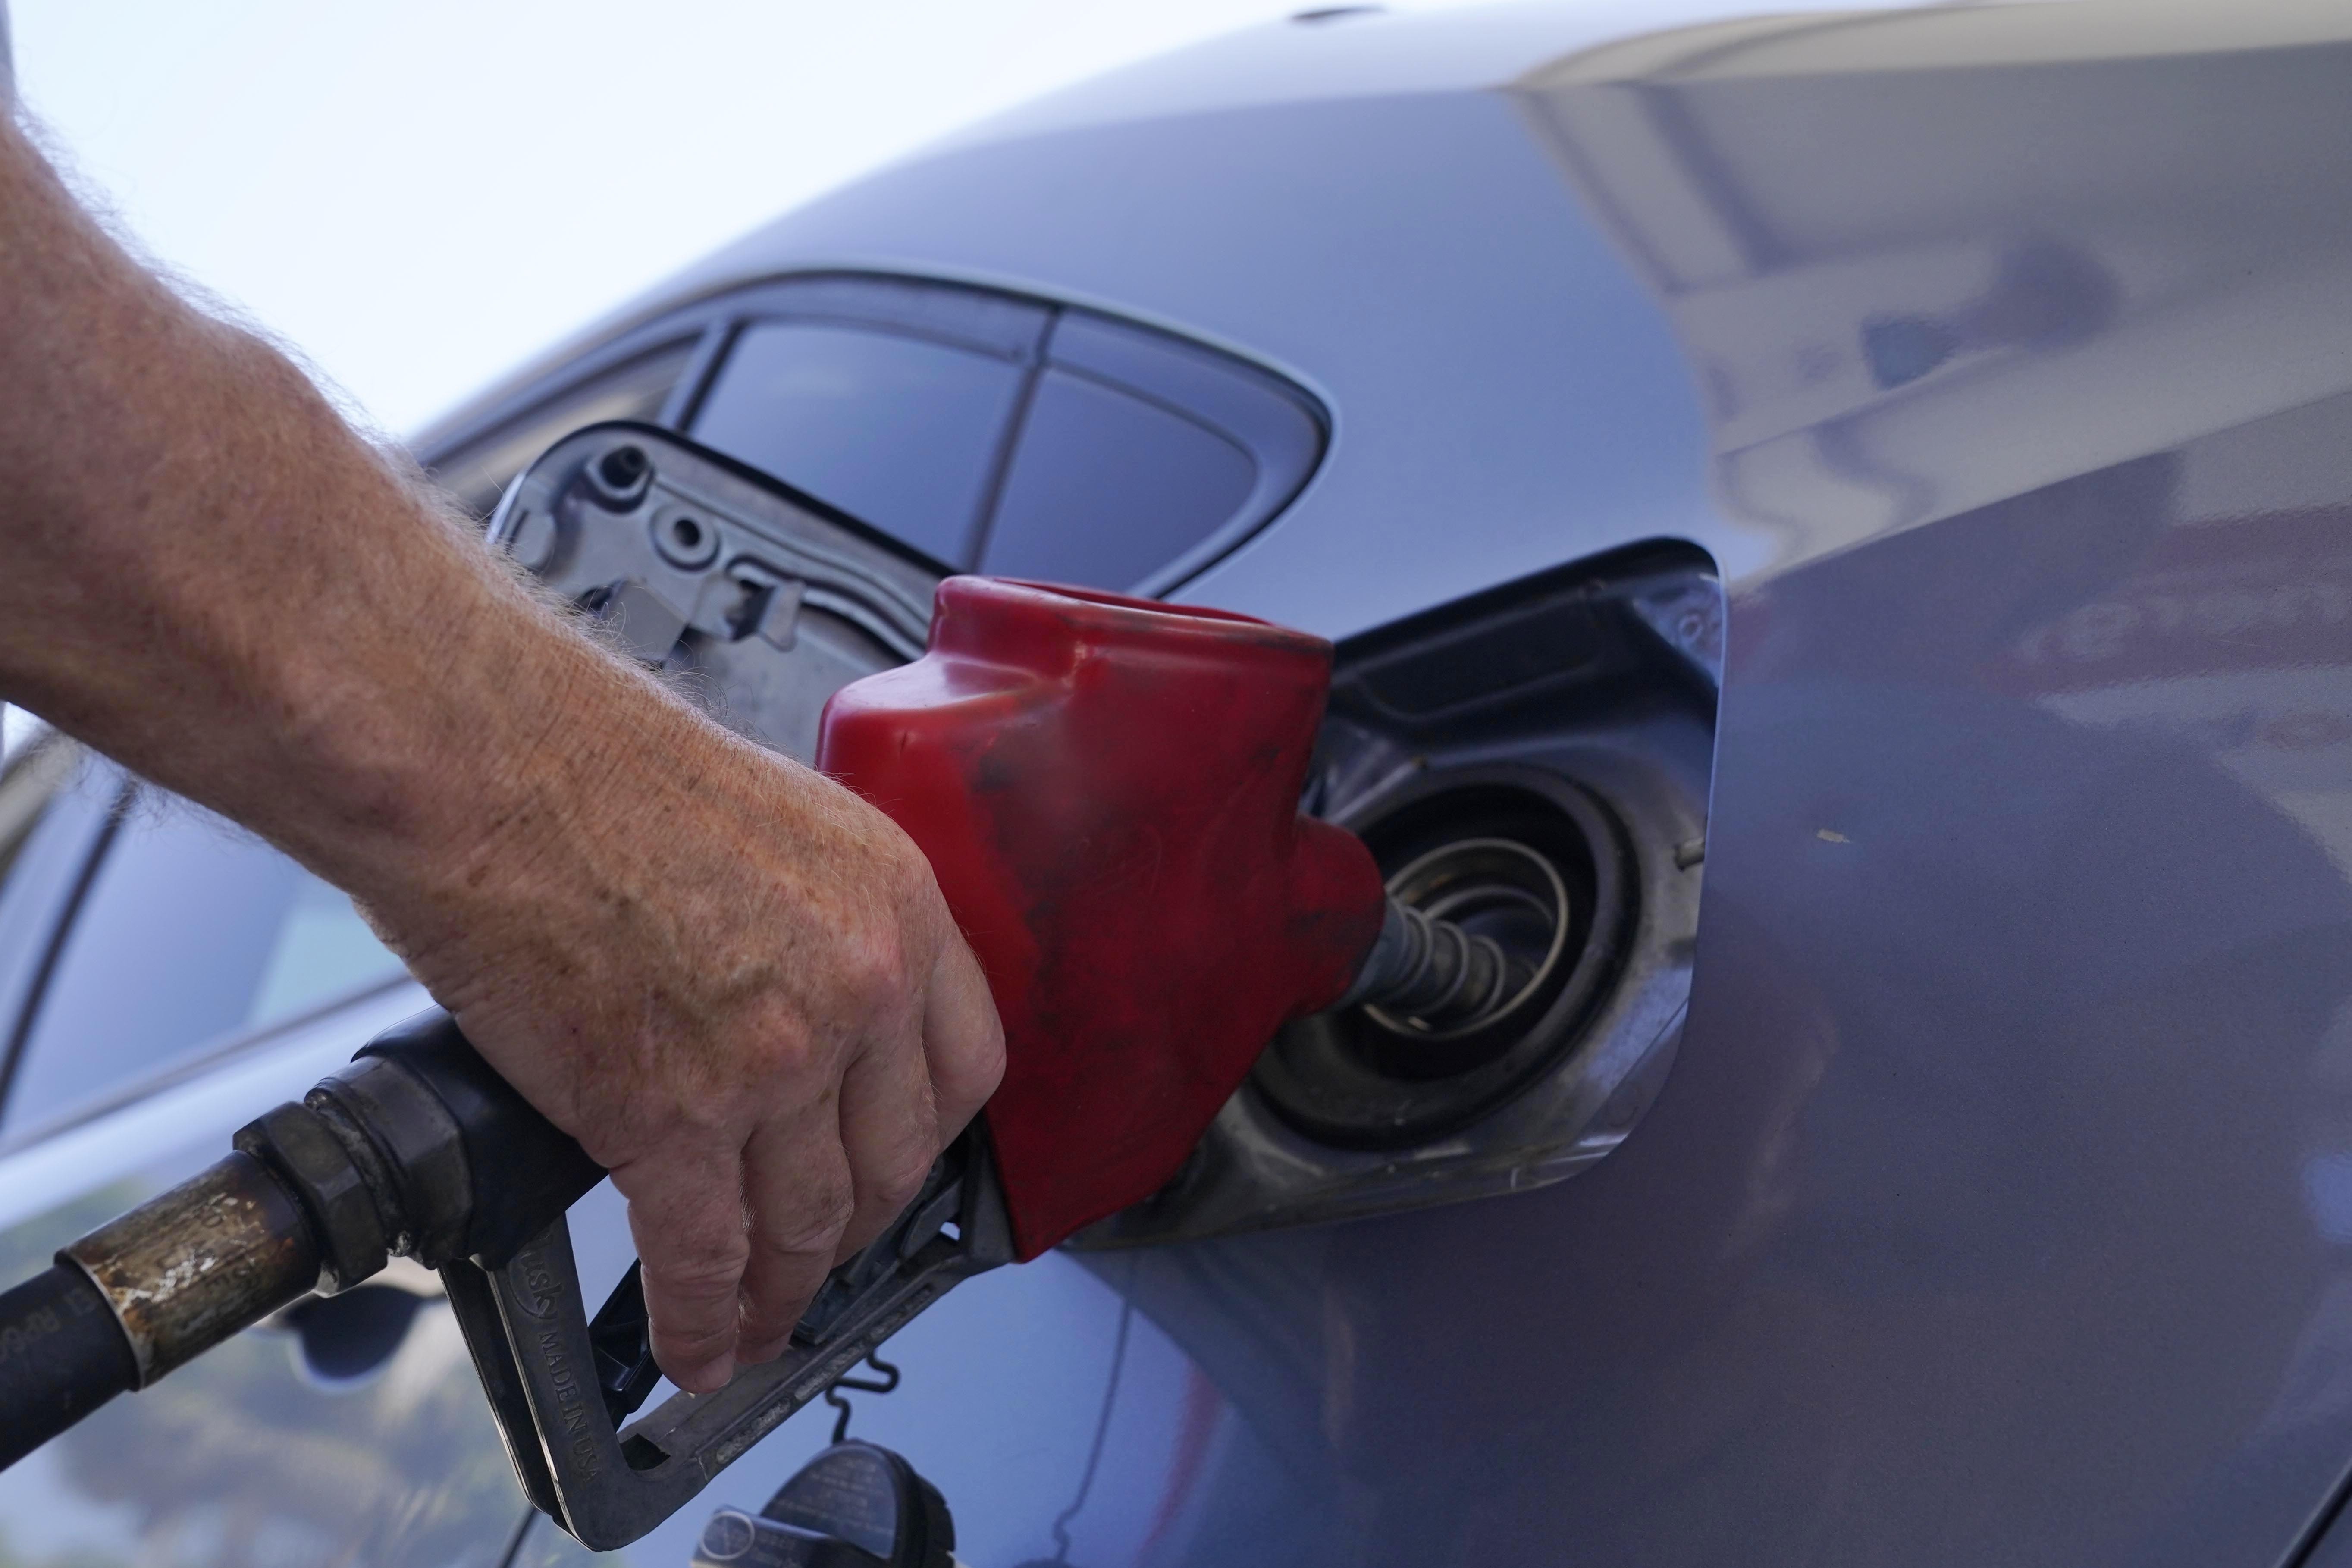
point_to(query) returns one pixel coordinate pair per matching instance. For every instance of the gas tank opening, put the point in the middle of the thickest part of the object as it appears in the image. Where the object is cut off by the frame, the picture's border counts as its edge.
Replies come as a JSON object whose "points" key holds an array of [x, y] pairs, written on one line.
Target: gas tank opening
{"points": [[1524, 859]]}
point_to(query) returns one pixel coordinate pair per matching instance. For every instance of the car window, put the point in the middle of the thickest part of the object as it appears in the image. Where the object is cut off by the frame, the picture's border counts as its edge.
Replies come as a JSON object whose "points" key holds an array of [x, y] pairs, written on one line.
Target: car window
{"points": [[1144, 457], [1106, 486], [899, 430], [191, 933], [981, 427]]}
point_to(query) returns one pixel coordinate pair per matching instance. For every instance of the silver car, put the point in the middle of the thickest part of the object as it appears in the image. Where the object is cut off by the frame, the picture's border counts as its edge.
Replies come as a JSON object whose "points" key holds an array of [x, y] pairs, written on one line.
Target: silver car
{"points": [[1892, 467]]}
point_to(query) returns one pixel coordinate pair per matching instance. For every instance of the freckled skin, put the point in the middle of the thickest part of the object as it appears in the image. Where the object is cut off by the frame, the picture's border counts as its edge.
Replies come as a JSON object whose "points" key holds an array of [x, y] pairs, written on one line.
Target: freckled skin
{"points": [[733, 982]]}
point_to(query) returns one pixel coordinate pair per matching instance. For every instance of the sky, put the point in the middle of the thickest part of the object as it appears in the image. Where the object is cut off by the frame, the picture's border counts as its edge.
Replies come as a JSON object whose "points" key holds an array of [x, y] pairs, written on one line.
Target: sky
{"points": [[416, 197]]}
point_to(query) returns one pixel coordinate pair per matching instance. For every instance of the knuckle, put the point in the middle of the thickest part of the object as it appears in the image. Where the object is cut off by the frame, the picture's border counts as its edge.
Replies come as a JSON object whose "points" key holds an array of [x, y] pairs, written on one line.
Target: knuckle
{"points": [[834, 1209], [904, 867], [970, 1071], [899, 1184], [695, 1338], [786, 1051], [986, 1066], [677, 1349], [769, 1316], [703, 1278], [814, 1225], [874, 960]]}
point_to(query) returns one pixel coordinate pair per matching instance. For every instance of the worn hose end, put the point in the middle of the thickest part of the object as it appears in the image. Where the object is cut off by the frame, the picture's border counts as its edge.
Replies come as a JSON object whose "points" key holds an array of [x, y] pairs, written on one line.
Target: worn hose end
{"points": [[1431, 972], [147, 1292], [215, 1254]]}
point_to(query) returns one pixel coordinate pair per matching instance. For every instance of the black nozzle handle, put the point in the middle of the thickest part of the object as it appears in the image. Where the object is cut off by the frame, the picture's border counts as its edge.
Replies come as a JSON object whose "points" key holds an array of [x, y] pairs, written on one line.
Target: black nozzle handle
{"points": [[62, 1356], [478, 1169]]}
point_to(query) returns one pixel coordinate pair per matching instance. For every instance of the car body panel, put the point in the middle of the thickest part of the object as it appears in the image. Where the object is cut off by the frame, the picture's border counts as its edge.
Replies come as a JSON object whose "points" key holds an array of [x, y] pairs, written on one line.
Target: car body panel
{"points": [[1943, 1239]]}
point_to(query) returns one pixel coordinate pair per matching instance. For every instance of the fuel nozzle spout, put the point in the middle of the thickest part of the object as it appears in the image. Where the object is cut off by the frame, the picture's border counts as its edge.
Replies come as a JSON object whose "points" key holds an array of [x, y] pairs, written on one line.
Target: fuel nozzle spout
{"points": [[1474, 931], [1426, 970]]}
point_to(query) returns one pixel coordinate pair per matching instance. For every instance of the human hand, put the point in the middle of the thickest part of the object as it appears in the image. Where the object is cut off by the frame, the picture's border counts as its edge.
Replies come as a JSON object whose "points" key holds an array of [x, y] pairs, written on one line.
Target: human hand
{"points": [[736, 984]]}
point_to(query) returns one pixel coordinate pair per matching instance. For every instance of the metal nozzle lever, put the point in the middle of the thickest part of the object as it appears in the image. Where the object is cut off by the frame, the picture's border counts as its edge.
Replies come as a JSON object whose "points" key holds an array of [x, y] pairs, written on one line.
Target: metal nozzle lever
{"points": [[1430, 972]]}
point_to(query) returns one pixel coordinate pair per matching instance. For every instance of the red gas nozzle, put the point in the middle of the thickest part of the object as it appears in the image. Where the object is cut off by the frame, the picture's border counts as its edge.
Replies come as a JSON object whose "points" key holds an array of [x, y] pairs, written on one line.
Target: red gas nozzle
{"points": [[1108, 791]]}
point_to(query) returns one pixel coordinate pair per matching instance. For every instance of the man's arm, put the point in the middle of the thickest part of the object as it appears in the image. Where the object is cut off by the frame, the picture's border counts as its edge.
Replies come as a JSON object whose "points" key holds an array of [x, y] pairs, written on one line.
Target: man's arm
{"points": [[733, 982]]}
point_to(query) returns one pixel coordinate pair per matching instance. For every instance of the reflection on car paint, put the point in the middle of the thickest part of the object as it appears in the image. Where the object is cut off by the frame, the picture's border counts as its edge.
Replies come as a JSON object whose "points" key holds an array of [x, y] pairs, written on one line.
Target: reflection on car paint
{"points": [[1006, 1391]]}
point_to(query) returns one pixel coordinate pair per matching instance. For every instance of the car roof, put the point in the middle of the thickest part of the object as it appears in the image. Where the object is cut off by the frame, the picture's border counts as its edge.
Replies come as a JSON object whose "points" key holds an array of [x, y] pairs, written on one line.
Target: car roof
{"points": [[1389, 211]]}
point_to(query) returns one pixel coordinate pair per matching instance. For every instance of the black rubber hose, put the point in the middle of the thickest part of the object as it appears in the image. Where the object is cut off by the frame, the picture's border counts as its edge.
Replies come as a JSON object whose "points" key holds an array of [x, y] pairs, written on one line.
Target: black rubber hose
{"points": [[62, 1356]]}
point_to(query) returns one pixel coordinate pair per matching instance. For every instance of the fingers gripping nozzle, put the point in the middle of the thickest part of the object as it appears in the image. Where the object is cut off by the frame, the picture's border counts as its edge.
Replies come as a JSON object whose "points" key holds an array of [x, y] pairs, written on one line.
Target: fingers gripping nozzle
{"points": [[1427, 970]]}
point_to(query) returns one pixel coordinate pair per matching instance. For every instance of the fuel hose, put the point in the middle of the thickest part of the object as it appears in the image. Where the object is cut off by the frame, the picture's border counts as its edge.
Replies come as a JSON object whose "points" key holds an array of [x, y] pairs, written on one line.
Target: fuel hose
{"points": [[62, 1356], [419, 1147]]}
